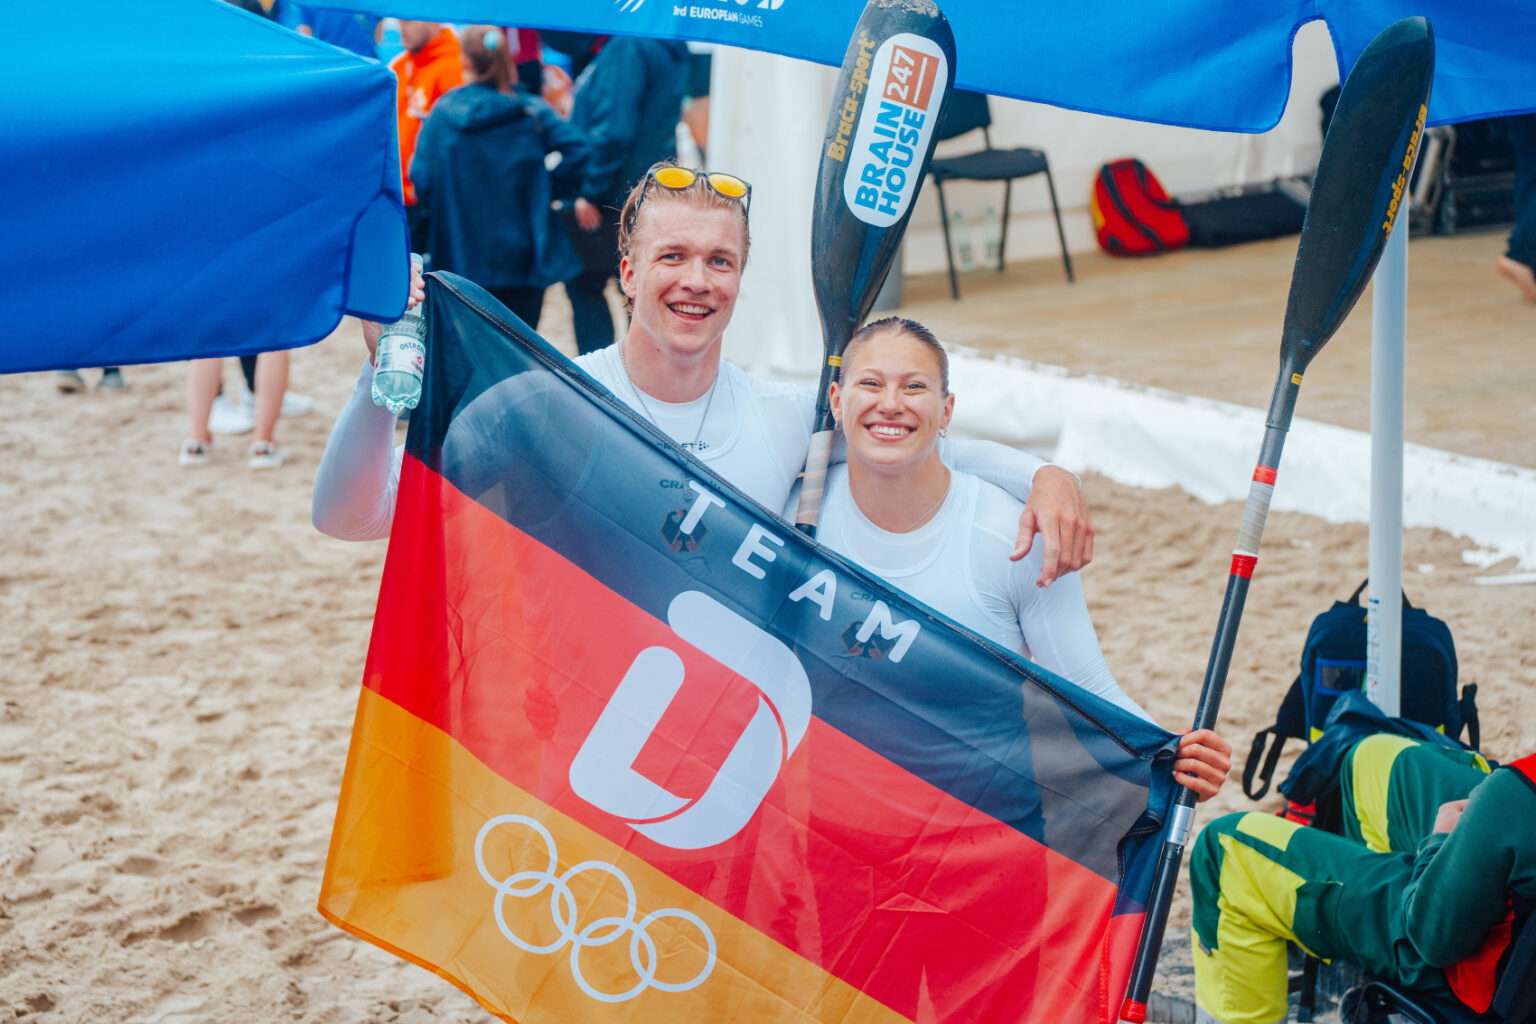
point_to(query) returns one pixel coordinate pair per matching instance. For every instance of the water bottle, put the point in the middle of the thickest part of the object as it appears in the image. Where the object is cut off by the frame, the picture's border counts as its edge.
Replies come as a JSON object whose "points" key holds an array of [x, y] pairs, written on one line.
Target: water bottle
{"points": [[965, 248], [401, 357], [992, 239]]}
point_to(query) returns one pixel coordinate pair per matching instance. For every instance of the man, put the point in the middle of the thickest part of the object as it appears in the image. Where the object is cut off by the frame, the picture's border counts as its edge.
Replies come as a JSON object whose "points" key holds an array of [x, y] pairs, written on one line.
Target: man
{"points": [[1418, 889], [427, 68], [1518, 264], [685, 246]]}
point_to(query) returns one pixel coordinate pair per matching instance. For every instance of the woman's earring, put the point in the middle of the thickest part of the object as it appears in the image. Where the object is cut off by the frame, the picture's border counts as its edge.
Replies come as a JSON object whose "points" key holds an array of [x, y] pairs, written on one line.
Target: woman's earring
{"points": [[944, 430]]}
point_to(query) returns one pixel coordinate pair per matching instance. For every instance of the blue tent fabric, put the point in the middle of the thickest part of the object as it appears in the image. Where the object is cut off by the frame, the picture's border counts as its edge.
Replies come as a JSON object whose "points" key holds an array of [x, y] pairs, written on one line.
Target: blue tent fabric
{"points": [[1209, 64], [192, 180]]}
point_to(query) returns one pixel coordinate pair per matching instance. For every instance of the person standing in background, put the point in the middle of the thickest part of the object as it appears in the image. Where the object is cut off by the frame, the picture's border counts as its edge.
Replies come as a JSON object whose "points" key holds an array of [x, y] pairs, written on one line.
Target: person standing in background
{"points": [[1518, 264], [627, 102], [482, 183], [426, 70]]}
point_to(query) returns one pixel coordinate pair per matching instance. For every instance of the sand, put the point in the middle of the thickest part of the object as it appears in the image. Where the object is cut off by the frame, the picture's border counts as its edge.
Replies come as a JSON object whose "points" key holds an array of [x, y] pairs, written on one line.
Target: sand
{"points": [[180, 660]]}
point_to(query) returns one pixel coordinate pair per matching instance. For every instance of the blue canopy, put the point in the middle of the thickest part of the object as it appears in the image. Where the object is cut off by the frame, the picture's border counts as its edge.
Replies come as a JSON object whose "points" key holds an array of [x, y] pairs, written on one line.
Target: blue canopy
{"points": [[1211, 64], [183, 178]]}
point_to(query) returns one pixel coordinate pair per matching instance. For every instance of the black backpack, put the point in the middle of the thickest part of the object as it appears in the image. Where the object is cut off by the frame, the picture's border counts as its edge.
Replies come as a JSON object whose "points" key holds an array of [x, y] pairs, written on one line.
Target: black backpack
{"points": [[1333, 663]]}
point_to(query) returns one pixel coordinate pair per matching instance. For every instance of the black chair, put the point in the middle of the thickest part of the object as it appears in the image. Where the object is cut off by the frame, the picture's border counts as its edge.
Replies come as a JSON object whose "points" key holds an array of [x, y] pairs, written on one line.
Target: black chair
{"points": [[966, 112], [1514, 1000]]}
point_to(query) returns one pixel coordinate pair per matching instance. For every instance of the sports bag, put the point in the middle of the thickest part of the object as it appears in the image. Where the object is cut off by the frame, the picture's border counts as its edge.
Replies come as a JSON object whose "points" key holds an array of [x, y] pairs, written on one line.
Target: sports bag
{"points": [[1132, 214], [1246, 217], [1333, 663]]}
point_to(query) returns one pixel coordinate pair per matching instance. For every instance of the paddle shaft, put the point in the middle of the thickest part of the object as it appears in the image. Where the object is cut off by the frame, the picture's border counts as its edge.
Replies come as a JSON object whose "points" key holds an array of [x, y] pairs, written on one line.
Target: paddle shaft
{"points": [[1244, 557], [1362, 179], [881, 130], [819, 455]]}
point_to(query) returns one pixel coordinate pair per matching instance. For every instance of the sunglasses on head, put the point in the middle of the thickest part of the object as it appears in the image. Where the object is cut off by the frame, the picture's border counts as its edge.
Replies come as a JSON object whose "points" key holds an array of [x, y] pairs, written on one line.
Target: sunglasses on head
{"points": [[680, 178]]}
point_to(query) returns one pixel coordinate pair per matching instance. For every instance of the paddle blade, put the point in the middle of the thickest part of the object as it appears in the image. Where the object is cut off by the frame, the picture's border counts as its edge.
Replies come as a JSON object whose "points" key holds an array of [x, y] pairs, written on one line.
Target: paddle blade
{"points": [[895, 78], [1361, 184]]}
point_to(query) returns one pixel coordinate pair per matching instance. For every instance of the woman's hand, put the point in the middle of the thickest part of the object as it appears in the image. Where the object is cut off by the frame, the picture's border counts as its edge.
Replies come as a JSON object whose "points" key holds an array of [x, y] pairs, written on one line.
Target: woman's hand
{"points": [[1202, 764], [1055, 510]]}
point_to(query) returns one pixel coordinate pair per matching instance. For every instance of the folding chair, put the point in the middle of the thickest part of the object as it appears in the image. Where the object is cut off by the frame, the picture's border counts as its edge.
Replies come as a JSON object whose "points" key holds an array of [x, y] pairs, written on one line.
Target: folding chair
{"points": [[966, 112], [1514, 1000]]}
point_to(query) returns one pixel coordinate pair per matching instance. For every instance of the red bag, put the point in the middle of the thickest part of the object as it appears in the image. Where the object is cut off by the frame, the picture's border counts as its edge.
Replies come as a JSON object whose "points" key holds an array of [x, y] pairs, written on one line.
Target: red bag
{"points": [[1132, 214]]}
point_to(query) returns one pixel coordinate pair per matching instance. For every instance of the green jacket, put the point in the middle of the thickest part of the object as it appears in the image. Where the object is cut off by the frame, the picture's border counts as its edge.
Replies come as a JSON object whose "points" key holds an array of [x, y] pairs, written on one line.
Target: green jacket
{"points": [[1462, 880]]}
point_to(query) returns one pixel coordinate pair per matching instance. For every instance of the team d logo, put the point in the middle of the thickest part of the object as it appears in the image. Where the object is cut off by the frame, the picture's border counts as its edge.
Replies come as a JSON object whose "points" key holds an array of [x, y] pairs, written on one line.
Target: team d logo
{"points": [[906, 91], [603, 772]]}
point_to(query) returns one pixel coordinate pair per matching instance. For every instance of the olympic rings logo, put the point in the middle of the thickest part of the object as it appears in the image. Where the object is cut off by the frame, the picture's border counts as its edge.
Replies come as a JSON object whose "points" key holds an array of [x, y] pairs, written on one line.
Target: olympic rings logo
{"points": [[604, 931]]}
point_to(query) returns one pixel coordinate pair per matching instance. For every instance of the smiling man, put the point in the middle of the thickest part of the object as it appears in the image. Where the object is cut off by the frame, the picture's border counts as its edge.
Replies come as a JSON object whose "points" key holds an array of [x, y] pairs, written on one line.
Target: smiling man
{"points": [[685, 241]]}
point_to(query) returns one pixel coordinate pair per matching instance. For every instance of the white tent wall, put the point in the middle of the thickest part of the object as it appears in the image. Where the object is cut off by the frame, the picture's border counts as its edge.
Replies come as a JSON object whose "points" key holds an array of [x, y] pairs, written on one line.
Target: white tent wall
{"points": [[1185, 160], [768, 114]]}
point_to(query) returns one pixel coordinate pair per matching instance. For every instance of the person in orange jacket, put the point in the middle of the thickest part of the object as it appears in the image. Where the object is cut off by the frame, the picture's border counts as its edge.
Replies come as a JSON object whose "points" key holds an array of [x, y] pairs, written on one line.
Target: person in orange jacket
{"points": [[429, 66]]}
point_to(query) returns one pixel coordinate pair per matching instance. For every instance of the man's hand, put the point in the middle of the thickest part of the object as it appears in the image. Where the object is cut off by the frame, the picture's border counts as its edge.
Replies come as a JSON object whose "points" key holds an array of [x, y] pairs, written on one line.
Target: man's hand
{"points": [[1055, 510], [588, 216], [1202, 764], [372, 331], [1448, 815]]}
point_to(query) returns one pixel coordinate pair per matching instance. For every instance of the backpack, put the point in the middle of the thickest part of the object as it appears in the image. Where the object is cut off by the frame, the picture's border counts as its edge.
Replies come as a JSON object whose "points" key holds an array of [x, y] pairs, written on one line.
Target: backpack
{"points": [[1132, 214], [1333, 663]]}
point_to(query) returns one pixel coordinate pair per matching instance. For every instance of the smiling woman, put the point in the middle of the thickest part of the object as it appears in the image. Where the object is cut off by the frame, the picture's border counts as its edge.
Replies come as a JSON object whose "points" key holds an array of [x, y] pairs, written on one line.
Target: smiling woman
{"points": [[944, 536]]}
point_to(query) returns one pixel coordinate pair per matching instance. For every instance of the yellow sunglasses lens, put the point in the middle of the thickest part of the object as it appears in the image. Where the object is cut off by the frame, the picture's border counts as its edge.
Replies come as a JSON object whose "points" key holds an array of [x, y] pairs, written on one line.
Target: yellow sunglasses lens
{"points": [[728, 185], [674, 177]]}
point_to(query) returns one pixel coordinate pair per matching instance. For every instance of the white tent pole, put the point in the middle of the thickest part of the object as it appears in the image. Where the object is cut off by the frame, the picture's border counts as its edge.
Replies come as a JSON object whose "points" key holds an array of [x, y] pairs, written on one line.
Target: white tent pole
{"points": [[1389, 327], [767, 116]]}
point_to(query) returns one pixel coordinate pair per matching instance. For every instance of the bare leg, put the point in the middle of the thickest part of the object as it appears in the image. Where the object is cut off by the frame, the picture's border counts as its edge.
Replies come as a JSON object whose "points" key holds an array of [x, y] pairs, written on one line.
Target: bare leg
{"points": [[271, 382], [202, 385], [1523, 276]]}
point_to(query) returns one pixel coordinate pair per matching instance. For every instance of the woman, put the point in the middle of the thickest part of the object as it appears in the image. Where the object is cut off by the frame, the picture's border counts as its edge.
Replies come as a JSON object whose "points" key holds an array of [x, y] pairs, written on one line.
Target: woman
{"points": [[482, 182], [203, 376], [944, 536]]}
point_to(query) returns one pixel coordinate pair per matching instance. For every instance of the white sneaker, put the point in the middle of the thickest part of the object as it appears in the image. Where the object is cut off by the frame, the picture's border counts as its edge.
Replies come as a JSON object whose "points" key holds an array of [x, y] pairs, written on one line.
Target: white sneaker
{"points": [[293, 404], [195, 453], [266, 455], [227, 418]]}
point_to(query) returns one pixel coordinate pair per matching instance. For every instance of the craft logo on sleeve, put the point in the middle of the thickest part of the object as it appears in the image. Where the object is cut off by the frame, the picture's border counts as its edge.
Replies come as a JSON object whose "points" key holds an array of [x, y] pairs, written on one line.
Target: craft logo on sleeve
{"points": [[895, 126]]}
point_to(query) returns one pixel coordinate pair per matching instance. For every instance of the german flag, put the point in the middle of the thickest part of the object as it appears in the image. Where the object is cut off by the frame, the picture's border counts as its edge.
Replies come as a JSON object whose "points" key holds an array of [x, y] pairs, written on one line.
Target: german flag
{"points": [[631, 748]]}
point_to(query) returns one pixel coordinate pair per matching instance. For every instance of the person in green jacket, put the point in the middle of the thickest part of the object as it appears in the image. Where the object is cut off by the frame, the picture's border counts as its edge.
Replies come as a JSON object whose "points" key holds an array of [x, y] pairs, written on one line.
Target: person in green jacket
{"points": [[1417, 890]]}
